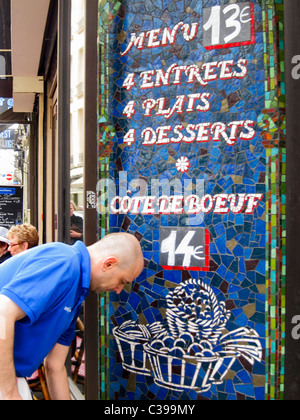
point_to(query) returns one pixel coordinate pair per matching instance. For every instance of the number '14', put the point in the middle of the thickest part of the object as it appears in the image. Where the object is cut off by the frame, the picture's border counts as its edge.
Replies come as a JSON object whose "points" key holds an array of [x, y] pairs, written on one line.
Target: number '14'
{"points": [[184, 248]]}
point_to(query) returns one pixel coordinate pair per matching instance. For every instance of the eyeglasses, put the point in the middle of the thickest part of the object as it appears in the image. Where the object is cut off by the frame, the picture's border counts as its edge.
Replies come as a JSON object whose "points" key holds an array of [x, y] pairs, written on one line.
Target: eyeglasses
{"points": [[13, 245]]}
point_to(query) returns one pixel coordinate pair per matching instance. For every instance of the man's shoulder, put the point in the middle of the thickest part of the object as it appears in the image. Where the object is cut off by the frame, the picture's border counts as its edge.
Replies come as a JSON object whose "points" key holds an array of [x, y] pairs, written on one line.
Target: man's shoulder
{"points": [[51, 255], [39, 256], [52, 248]]}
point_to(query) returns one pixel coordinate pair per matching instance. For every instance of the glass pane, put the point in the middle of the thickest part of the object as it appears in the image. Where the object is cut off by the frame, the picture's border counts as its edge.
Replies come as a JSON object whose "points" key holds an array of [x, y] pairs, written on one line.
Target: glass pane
{"points": [[14, 172], [5, 65], [5, 105]]}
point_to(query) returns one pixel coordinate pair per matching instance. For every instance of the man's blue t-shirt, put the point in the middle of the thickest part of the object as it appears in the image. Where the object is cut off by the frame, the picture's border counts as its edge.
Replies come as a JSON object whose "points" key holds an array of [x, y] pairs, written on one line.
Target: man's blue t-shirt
{"points": [[49, 283]]}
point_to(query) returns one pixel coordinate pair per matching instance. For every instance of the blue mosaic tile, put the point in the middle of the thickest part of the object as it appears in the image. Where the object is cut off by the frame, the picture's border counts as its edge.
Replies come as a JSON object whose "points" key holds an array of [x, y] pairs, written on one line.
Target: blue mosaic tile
{"points": [[237, 249]]}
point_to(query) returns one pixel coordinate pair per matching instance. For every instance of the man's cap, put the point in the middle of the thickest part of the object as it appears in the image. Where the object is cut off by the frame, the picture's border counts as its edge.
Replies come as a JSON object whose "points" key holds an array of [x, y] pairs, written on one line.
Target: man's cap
{"points": [[3, 235]]}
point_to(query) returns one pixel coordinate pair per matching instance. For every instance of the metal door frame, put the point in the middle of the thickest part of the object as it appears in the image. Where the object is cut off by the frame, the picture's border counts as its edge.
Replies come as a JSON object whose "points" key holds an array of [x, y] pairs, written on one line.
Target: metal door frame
{"points": [[90, 183]]}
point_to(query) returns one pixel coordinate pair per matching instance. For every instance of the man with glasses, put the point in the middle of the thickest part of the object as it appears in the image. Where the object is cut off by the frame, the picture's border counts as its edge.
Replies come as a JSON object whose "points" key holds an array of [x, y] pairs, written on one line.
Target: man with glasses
{"points": [[21, 238]]}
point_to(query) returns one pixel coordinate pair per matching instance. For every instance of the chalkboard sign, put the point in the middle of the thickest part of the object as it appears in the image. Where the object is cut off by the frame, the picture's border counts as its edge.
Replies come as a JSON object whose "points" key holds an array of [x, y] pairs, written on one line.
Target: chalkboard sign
{"points": [[184, 249], [11, 206], [228, 25]]}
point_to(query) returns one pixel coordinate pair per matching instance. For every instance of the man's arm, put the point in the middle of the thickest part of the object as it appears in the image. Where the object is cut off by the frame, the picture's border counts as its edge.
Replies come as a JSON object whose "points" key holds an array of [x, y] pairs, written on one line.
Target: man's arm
{"points": [[9, 314], [56, 373]]}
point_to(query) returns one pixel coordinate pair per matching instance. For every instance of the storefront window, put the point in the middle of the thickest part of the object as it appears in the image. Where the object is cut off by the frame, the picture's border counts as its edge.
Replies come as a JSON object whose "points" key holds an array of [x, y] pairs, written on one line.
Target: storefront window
{"points": [[14, 174]]}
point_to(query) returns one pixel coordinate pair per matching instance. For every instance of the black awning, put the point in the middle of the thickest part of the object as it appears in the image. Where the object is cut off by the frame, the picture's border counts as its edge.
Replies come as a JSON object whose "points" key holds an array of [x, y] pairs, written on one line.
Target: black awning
{"points": [[9, 117]]}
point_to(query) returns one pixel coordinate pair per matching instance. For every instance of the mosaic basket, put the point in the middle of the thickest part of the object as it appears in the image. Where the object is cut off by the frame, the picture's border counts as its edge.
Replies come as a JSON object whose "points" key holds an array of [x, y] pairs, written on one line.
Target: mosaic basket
{"points": [[201, 332], [185, 372], [131, 338], [193, 308]]}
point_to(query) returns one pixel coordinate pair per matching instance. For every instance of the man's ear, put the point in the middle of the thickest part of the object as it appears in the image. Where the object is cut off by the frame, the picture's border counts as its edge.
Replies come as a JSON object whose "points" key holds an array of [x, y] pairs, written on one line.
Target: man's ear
{"points": [[109, 263]]}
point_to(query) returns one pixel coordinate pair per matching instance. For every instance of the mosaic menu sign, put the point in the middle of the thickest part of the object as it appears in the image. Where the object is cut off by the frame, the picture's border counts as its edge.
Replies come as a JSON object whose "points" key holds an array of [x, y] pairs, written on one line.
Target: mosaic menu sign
{"points": [[188, 167]]}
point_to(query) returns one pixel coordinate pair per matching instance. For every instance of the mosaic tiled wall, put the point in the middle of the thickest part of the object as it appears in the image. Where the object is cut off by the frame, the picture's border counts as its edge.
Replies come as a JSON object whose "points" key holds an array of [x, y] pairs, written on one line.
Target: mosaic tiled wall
{"points": [[192, 162], [272, 122]]}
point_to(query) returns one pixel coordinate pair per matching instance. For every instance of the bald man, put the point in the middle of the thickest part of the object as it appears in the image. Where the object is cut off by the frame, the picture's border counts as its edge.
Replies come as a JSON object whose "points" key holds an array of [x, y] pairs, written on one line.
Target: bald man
{"points": [[41, 292]]}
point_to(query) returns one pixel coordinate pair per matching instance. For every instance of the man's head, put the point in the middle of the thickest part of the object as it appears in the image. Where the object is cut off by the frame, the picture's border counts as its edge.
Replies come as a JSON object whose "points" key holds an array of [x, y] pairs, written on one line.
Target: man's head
{"points": [[116, 260], [72, 208]]}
